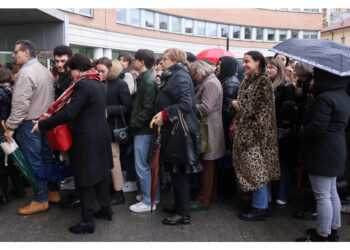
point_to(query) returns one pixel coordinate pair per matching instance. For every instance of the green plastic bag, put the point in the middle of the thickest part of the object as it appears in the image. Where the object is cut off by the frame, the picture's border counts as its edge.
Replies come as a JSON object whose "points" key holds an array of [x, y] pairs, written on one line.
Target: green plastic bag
{"points": [[203, 129]]}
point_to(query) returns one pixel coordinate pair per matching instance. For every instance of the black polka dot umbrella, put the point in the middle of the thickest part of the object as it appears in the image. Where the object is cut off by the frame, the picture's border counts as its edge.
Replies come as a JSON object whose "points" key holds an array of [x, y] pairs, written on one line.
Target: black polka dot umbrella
{"points": [[324, 54]]}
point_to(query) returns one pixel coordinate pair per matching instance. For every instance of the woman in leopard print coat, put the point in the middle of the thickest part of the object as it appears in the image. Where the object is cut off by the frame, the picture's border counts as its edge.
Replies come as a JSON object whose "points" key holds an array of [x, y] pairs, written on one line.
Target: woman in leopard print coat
{"points": [[255, 149]]}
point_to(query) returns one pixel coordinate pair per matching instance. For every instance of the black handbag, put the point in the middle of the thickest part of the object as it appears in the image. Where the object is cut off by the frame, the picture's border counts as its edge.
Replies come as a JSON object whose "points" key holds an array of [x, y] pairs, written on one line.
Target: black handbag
{"points": [[121, 135], [183, 146]]}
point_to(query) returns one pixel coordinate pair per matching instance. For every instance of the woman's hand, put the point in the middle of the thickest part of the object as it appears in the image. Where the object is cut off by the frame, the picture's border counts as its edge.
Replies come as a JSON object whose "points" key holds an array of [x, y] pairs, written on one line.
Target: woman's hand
{"points": [[158, 119], [234, 104], [36, 127], [299, 91]]}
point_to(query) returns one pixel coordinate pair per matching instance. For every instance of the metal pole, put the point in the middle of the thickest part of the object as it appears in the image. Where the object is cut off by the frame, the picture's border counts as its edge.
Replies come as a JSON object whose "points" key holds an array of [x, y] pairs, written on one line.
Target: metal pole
{"points": [[227, 43]]}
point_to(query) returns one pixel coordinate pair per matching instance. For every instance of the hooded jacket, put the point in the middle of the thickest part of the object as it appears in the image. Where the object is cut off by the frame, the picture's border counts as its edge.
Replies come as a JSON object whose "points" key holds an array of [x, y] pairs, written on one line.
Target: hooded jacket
{"points": [[322, 139], [118, 97], [230, 85]]}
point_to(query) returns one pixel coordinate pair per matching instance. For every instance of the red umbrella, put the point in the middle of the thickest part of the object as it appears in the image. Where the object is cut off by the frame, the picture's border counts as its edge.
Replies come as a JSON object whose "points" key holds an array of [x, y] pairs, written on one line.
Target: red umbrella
{"points": [[213, 54], [155, 165]]}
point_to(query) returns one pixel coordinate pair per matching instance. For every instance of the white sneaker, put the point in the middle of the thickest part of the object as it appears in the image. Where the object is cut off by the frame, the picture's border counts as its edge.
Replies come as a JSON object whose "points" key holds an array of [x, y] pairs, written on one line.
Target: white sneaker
{"points": [[140, 207], [280, 202], [130, 186], [139, 197]]}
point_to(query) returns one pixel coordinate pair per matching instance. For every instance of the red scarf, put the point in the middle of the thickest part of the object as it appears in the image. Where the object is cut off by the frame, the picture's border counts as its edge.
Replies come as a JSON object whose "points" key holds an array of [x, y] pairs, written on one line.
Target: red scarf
{"points": [[65, 97]]}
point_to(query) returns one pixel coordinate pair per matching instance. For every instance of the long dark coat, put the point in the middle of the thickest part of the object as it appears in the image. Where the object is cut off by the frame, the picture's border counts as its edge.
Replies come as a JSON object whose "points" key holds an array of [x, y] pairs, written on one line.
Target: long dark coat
{"points": [[5, 110], [255, 148], [322, 138], [118, 98], [176, 93], [91, 150]]}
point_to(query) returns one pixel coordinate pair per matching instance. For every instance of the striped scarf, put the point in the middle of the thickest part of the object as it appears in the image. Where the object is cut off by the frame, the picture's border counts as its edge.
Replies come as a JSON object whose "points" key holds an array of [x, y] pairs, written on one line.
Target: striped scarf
{"points": [[66, 95]]}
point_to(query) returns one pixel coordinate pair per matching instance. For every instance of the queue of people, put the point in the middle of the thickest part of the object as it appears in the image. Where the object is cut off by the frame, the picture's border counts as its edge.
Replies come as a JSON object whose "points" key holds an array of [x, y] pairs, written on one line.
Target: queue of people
{"points": [[260, 127]]}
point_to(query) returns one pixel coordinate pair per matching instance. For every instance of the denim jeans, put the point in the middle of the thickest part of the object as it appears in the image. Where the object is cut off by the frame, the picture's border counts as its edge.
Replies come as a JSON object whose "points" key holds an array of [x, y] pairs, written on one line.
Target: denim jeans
{"points": [[328, 202], [261, 198], [143, 169], [281, 187], [36, 149]]}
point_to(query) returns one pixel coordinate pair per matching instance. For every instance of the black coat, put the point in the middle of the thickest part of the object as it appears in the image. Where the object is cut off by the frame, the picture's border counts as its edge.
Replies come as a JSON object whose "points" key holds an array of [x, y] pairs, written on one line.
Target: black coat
{"points": [[176, 93], [5, 110], [118, 103], [322, 139], [91, 151], [62, 84]]}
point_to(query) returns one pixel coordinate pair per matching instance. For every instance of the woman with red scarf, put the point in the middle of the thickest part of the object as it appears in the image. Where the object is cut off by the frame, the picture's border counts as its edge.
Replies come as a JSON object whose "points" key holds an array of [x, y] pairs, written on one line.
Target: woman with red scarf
{"points": [[84, 104]]}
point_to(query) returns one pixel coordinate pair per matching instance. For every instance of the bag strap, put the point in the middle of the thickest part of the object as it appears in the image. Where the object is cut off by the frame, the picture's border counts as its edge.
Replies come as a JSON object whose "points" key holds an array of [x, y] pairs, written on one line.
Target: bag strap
{"points": [[121, 111]]}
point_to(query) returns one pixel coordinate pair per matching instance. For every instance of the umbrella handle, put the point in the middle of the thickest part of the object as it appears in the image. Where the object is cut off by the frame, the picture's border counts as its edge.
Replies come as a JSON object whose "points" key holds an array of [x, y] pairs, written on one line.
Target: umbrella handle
{"points": [[151, 126], [4, 125]]}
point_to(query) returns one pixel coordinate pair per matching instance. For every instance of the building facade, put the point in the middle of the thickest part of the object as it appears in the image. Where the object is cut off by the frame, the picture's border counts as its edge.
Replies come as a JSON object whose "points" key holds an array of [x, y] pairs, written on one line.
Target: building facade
{"points": [[108, 32]]}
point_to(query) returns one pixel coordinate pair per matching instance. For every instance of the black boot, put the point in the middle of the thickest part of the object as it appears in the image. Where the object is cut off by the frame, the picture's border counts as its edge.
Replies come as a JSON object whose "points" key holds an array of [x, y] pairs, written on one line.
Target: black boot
{"points": [[117, 198], [83, 227], [17, 184], [104, 213], [312, 236], [4, 200], [254, 214], [333, 237]]}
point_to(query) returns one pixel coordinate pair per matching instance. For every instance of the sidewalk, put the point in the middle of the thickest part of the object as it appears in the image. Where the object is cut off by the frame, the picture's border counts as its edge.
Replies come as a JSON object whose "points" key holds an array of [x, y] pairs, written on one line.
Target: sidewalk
{"points": [[220, 223]]}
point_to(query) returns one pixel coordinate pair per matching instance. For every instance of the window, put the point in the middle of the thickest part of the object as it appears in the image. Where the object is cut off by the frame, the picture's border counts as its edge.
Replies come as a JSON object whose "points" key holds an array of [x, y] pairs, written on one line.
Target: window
{"points": [[236, 32], [248, 33], [188, 26], [87, 12], [213, 30], [312, 10], [283, 35], [259, 34], [296, 9], [121, 15], [135, 17], [313, 35], [224, 30], [201, 28], [270, 35], [295, 33], [310, 34], [163, 22], [149, 19], [176, 24]]}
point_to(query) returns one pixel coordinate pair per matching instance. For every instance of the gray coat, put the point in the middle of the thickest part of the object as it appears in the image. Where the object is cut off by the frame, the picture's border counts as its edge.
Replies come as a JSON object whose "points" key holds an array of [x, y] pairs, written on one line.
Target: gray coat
{"points": [[209, 103]]}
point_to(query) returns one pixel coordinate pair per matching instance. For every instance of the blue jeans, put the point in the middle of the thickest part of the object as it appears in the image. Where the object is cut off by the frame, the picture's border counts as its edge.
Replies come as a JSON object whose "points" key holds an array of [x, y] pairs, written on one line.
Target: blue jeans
{"points": [[328, 202], [281, 187], [36, 149], [261, 198], [143, 169]]}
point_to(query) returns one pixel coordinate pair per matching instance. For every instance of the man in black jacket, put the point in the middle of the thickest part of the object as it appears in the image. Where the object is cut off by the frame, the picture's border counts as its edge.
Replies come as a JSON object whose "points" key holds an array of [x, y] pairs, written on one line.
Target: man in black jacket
{"points": [[62, 80], [141, 116]]}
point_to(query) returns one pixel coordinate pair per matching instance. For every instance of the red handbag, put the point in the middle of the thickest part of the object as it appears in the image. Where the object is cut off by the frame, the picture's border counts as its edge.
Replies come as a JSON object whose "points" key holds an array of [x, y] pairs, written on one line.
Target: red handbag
{"points": [[60, 138]]}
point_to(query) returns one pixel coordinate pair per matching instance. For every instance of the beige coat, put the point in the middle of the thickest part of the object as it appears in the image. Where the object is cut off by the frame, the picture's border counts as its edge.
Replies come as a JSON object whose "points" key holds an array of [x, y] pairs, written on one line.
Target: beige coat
{"points": [[255, 149], [209, 103], [33, 94]]}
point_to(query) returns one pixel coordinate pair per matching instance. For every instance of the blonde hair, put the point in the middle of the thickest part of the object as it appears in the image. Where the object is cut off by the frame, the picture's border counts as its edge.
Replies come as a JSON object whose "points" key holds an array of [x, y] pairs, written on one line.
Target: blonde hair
{"points": [[281, 73], [176, 55], [201, 68]]}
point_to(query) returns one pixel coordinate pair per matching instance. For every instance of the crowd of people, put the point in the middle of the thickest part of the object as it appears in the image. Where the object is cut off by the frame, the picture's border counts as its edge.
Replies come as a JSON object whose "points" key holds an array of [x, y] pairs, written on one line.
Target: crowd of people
{"points": [[220, 128]]}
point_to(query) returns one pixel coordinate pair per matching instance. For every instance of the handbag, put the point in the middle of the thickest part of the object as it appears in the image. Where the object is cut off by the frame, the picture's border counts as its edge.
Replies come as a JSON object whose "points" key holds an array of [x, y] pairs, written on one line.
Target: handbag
{"points": [[183, 146], [121, 135], [203, 129], [59, 138]]}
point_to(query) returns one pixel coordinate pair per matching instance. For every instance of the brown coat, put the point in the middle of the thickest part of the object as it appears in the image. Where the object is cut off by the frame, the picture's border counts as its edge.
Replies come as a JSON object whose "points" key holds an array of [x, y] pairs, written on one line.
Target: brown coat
{"points": [[255, 150], [209, 103]]}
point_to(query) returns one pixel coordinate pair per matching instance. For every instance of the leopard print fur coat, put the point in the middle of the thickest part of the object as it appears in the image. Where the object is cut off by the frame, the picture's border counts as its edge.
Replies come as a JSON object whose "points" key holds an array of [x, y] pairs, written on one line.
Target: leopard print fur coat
{"points": [[255, 146]]}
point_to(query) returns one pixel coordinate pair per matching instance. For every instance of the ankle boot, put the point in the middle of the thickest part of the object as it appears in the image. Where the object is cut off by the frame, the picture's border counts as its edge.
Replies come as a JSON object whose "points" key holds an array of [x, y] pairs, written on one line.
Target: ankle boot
{"points": [[117, 198], [3, 189]]}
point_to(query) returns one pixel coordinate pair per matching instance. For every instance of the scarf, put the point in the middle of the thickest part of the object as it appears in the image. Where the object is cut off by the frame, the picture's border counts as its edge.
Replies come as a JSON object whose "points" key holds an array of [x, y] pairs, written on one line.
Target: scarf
{"points": [[66, 95]]}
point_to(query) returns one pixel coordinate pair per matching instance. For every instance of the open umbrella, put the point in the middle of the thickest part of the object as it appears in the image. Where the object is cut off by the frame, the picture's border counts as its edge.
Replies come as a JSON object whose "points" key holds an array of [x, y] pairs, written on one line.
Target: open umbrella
{"points": [[327, 55], [213, 54], [155, 165], [16, 156]]}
